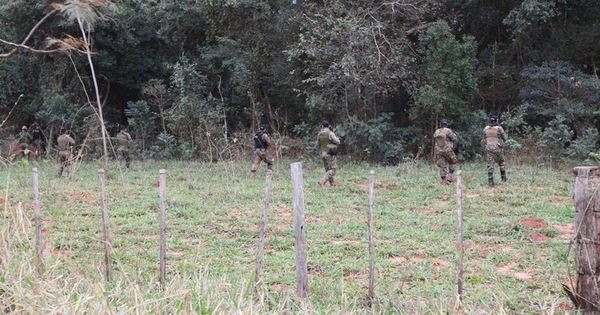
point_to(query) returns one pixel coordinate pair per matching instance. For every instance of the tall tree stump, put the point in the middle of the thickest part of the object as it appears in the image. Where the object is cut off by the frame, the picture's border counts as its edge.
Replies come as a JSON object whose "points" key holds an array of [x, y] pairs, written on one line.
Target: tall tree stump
{"points": [[587, 237]]}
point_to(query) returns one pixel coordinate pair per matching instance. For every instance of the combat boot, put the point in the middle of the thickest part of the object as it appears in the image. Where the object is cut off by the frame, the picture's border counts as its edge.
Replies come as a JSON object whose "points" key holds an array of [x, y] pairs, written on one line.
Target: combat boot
{"points": [[444, 181], [503, 176], [491, 179], [450, 178], [332, 182], [60, 172]]}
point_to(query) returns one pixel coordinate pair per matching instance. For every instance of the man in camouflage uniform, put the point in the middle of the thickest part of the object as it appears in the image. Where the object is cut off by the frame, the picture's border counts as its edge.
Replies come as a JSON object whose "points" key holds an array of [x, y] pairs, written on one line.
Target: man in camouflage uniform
{"points": [[39, 140], [328, 142], [65, 145], [445, 142], [262, 143], [124, 142], [24, 141], [493, 141]]}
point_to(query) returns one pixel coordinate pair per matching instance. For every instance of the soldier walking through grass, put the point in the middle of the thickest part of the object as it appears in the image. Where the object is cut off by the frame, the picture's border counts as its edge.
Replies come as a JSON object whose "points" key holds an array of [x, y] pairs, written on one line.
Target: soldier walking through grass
{"points": [[24, 141], [65, 145], [328, 142], [493, 141], [262, 143], [39, 140], [445, 142], [124, 142]]}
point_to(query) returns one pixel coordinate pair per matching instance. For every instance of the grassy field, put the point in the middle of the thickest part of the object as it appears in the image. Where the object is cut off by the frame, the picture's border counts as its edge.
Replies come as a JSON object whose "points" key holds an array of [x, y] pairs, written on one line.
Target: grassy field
{"points": [[516, 237]]}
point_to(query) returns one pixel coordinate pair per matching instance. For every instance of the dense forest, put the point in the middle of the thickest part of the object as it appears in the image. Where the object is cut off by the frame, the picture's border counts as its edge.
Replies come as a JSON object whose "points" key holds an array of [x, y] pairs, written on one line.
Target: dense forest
{"points": [[193, 78]]}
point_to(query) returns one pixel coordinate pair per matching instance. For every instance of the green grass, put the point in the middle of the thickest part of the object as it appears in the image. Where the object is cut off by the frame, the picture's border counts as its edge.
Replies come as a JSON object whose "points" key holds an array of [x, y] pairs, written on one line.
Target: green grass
{"points": [[213, 220]]}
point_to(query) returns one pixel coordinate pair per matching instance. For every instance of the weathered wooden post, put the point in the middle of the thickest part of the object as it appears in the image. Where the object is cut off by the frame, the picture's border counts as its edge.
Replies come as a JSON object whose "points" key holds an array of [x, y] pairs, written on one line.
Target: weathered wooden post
{"points": [[263, 229], [587, 237], [371, 244], [104, 211], [162, 180], [299, 234], [459, 239], [38, 215]]}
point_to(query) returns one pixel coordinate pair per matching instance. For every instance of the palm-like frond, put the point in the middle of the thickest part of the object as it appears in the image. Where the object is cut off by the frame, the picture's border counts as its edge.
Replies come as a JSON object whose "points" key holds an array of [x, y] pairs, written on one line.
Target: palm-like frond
{"points": [[86, 12], [68, 43]]}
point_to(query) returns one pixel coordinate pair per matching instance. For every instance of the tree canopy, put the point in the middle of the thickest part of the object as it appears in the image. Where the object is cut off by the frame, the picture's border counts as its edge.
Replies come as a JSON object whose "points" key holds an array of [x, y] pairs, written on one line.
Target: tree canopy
{"points": [[191, 76]]}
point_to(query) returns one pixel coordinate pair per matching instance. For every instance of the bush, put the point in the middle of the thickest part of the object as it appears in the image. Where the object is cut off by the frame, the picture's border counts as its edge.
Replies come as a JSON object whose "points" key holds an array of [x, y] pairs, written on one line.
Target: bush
{"points": [[375, 140]]}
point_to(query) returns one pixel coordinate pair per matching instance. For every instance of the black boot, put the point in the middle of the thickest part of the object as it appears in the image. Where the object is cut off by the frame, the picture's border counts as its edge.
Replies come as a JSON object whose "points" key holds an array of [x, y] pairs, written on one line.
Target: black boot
{"points": [[491, 179], [503, 176]]}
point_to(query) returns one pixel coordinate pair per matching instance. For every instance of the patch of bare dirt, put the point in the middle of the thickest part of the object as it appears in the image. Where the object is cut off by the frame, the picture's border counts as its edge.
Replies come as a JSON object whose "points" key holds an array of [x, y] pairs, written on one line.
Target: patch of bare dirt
{"points": [[507, 270], [443, 201], [562, 201], [425, 210], [82, 196], [539, 237], [566, 231], [472, 195], [532, 222]]}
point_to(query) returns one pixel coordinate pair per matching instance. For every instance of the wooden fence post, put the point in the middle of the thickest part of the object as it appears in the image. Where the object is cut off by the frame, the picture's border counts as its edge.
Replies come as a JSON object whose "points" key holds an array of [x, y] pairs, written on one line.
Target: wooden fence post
{"points": [[371, 296], [459, 239], [587, 237], [299, 233], [162, 179], [104, 211], [263, 228], [38, 216]]}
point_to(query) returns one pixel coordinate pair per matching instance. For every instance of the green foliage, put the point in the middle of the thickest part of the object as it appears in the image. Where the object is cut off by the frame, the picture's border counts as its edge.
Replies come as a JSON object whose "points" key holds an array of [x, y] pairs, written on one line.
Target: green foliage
{"points": [[531, 14], [163, 148], [558, 88], [448, 75], [374, 140], [584, 144], [555, 137], [142, 121], [190, 117], [349, 55], [59, 112]]}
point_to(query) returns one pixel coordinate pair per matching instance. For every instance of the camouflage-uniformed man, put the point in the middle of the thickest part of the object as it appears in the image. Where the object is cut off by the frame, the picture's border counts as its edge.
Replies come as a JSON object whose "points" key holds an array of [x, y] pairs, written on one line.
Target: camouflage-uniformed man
{"points": [[493, 141], [39, 140], [65, 145], [328, 143], [124, 142], [24, 141], [262, 143], [445, 142]]}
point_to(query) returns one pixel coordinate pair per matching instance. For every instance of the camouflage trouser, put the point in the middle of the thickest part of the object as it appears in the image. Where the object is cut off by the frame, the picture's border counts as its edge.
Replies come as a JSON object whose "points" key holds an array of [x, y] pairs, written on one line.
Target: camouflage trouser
{"points": [[123, 156], [65, 161], [39, 147], [330, 164], [493, 157], [264, 156], [24, 149], [447, 161]]}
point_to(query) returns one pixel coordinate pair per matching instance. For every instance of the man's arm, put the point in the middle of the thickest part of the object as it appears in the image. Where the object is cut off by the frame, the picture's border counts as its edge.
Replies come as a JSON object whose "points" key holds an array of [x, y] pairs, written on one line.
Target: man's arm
{"points": [[502, 134], [334, 138]]}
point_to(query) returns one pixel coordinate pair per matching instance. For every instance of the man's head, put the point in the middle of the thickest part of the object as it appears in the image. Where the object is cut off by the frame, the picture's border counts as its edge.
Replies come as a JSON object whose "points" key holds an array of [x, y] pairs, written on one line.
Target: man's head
{"points": [[444, 122], [263, 127], [325, 123], [493, 119], [63, 130], [24, 128]]}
